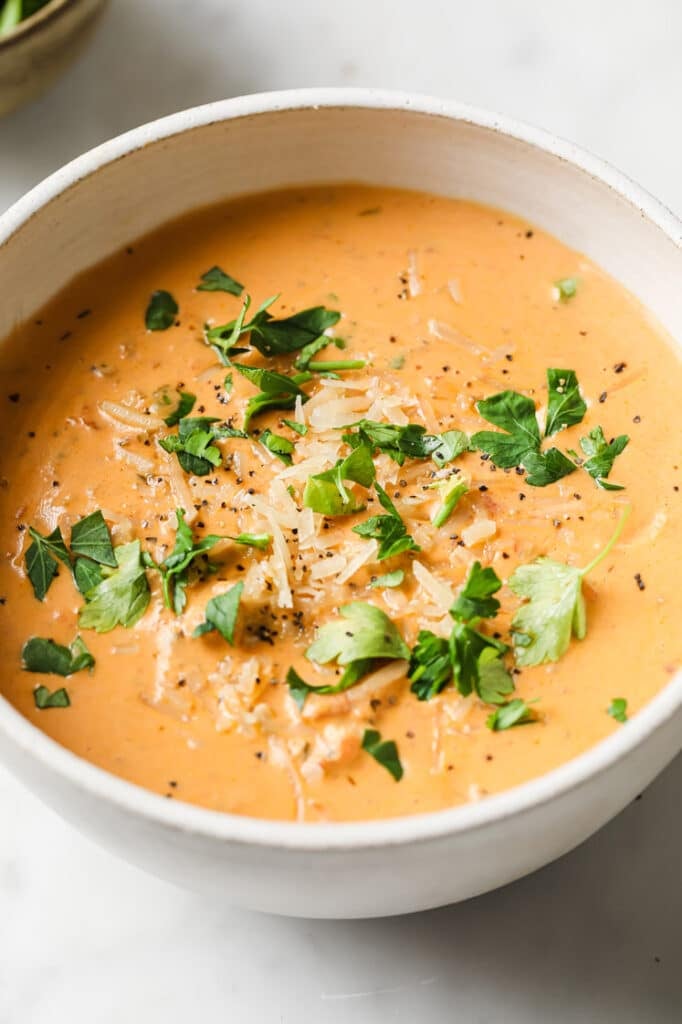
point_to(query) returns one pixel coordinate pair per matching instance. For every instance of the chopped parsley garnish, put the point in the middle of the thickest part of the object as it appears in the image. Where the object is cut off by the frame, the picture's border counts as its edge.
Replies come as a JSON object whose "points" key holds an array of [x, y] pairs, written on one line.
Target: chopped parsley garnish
{"points": [[566, 287], [271, 336], [90, 542], [601, 455], [390, 579], [452, 490], [565, 404], [224, 338], [362, 631], [121, 597], [221, 614], [184, 407], [194, 443], [277, 390], [280, 446], [42, 559], [86, 574], [43, 655], [384, 752], [618, 709], [299, 428], [521, 443], [360, 637], [309, 351], [45, 699], [411, 441], [555, 607], [175, 567], [161, 311], [469, 659], [299, 689], [389, 530], [325, 492], [514, 712], [90, 538], [216, 280]]}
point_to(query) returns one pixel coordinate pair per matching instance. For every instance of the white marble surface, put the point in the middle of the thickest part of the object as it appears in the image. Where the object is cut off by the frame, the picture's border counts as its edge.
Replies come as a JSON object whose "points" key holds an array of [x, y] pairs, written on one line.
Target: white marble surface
{"points": [[596, 937]]}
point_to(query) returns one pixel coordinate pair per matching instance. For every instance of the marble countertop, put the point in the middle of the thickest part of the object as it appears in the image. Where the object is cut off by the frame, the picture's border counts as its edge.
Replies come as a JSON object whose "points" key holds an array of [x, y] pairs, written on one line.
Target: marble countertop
{"points": [[596, 937]]}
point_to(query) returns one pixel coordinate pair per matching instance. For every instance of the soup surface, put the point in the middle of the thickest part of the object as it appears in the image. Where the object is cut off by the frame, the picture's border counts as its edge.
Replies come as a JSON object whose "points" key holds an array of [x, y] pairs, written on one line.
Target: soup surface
{"points": [[424, 418]]}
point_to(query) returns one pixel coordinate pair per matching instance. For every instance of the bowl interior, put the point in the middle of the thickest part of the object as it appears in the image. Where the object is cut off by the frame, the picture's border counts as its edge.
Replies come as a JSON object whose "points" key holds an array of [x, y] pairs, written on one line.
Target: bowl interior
{"points": [[116, 202]]}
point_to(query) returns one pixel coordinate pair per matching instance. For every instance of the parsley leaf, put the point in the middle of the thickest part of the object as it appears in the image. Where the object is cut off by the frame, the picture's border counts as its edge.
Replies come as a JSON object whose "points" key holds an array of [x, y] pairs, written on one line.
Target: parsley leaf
{"points": [[221, 614], [216, 280], [44, 699], [271, 336], [325, 492], [430, 668], [519, 441], [275, 337], [223, 338], [41, 559], [384, 752], [555, 607], [618, 709], [360, 637], [390, 579], [452, 490], [86, 574], [122, 597], [298, 428], [280, 446], [410, 441], [469, 659], [494, 683], [299, 689], [362, 631], [277, 390], [43, 655], [90, 538], [545, 468], [161, 311], [601, 456], [565, 405], [515, 414], [174, 568], [389, 530], [185, 405], [475, 600], [194, 443], [514, 712]]}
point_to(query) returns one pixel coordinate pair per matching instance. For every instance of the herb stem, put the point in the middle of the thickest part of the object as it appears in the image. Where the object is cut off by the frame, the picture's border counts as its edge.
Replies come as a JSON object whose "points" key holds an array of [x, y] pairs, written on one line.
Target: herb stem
{"points": [[322, 365], [625, 515]]}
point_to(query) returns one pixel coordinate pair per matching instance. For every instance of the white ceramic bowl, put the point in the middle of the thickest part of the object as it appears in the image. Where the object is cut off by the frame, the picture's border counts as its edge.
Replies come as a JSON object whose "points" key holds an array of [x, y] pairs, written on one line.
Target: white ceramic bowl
{"points": [[130, 185]]}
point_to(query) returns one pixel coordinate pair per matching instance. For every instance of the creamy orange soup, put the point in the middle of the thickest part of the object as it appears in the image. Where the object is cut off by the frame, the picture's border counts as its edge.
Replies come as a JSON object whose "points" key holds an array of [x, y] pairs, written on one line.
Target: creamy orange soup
{"points": [[442, 305]]}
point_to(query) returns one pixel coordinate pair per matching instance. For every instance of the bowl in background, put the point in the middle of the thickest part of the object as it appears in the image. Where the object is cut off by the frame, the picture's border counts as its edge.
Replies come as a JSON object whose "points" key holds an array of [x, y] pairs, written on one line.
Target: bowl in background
{"points": [[39, 48], [132, 184]]}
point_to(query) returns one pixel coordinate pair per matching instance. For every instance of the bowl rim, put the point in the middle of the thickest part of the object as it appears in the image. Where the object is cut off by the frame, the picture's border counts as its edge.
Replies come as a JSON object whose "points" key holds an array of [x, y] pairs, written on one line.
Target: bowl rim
{"points": [[305, 836], [35, 22]]}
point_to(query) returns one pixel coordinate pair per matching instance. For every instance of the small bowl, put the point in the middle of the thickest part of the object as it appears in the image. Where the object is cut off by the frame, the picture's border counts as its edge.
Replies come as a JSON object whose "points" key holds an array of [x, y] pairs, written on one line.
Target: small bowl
{"points": [[39, 48], [134, 183]]}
